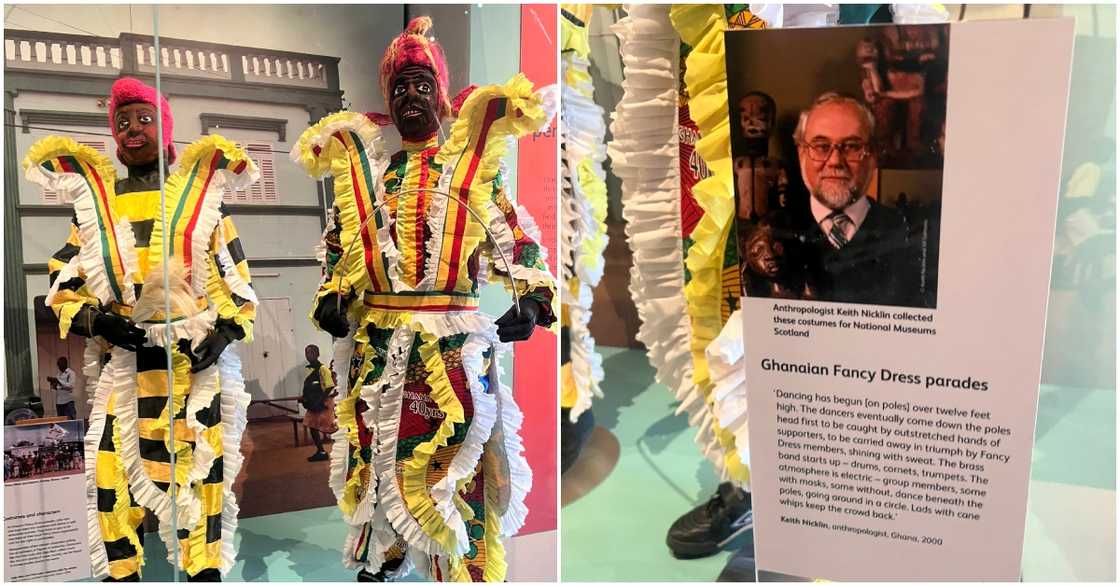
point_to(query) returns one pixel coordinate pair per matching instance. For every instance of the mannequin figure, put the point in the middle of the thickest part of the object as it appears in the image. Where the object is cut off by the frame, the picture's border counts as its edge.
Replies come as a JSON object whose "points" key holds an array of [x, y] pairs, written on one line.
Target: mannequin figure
{"points": [[111, 284], [427, 464]]}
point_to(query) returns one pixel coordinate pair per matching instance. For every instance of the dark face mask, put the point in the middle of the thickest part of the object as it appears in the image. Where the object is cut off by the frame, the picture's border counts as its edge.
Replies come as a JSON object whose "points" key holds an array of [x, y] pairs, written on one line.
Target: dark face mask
{"points": [[414, 103], [135, 131]]}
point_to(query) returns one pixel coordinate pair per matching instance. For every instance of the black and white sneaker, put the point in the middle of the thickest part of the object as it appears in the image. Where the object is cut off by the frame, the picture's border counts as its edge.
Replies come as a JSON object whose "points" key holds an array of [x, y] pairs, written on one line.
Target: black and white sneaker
{"points": [[705, 530]]}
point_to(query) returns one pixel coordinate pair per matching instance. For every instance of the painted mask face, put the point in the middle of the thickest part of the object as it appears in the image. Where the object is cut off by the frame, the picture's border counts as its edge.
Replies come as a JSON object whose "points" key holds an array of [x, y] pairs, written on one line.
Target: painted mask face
{"points": [[756, 117], [414, 103], [136, 134]]}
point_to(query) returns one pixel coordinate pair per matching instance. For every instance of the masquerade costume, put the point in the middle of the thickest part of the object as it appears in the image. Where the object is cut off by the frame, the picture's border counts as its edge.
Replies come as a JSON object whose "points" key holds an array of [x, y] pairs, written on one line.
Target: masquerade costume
{"points": [[109, 274], [427, 464], [583, 213], [672, 150]]}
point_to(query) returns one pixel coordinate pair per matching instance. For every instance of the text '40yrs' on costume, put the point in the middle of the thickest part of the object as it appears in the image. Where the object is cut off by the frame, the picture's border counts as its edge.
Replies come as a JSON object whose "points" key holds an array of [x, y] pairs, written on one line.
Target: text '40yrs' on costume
{"points": [[112, 269], [427, 465]]}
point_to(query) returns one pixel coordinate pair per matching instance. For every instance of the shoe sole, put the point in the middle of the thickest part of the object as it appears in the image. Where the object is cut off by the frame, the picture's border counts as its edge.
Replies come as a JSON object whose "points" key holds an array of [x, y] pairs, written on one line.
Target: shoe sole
{"points": [[690, 550], [686, 550]]}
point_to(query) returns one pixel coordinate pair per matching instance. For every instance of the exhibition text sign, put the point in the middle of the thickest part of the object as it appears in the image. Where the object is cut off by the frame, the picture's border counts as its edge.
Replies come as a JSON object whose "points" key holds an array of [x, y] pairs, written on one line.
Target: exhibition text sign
{"points": [[896, 290], [45, 531]]}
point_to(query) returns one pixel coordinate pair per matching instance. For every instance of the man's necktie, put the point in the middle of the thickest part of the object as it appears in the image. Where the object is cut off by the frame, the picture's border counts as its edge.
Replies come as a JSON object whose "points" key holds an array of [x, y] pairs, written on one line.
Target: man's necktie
{"points": [[838, 232]]}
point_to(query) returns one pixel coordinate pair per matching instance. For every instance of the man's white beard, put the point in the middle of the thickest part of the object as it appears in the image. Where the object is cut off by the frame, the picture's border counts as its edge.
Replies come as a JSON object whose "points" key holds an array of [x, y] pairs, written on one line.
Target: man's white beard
{"points": [[835, 195]]}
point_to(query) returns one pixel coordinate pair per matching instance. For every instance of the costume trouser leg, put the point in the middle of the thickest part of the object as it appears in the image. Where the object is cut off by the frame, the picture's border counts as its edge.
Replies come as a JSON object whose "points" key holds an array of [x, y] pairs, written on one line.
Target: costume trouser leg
{"points": [[120, 516], [425, 446]]}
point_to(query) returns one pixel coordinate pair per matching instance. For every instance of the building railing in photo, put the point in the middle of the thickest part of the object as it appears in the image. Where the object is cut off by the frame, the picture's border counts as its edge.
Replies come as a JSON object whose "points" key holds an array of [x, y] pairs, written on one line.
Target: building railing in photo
{"points": [[86, 65], [133, 54]]}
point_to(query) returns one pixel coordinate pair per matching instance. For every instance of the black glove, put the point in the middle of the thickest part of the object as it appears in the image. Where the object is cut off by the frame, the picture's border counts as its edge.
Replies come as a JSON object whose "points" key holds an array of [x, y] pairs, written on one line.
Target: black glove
{"points": [[210, 348], [331, 315], [513, 327], [118, 331]]}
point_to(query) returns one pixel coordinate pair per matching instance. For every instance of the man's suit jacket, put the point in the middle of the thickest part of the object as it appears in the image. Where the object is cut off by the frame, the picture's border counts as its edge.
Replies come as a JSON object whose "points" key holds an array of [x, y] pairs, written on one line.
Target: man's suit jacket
{"points": [[882, 264]]}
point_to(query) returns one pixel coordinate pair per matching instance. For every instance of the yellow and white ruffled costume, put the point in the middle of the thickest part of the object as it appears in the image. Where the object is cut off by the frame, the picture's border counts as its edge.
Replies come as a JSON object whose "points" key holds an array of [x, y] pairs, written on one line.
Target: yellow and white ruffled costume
{"points": [[113, 260], [583, 211]]}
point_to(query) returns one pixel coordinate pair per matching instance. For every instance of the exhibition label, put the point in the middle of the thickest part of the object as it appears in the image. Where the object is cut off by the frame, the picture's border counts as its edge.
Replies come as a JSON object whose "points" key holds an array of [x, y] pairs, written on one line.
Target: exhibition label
{"points": [[893, 347], [45, 532]]}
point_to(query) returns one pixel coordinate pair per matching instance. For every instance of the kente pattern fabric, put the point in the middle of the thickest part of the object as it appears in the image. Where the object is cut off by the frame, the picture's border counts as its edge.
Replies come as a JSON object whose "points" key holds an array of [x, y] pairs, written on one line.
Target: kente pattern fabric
{"points": [[112, 261], [427, 464]]}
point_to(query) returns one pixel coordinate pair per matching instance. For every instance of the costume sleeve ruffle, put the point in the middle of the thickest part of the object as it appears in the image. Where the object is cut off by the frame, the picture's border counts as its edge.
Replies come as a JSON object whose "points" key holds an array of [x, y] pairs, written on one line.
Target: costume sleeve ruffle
{"points": [[644, 155], [320, 151], [491, 118], [229, 288], [702, 27], [205, 168], [729, 385], [583, 208], [106, 260]]}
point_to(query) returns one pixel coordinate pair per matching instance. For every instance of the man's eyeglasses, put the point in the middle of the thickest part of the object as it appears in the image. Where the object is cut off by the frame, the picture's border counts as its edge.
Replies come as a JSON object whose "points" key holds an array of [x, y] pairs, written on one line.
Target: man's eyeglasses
{"points": [[852, 151]]}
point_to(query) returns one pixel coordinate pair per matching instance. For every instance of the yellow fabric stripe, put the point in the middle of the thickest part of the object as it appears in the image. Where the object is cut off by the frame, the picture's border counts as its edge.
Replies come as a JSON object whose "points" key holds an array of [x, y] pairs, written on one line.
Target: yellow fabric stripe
{"points": [[137, 205], [106, 472], [407, 210], [159, 471], [151, 429], [358, 476], [569, 392], [370, 228], [111, 528], [151, 383], [211, 495], [196, 554], [228, 229], [213, 436], [121, 568], [66, 305], [410, 302], [444, 251]]}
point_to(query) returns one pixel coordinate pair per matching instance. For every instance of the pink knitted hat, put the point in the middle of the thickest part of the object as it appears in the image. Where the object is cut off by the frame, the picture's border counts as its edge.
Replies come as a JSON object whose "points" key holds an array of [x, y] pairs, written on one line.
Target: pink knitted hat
{"points": [[128, 90]]}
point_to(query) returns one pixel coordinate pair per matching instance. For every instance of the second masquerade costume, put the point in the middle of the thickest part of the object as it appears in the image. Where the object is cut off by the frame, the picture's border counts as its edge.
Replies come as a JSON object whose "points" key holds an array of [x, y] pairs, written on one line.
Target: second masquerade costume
{"points": [[107, 284], [427, 464], [583, 214]]}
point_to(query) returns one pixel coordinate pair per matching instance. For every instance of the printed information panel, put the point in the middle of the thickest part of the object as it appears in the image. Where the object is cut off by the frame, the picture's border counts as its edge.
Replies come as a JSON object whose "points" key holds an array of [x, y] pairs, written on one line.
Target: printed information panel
{"points": [[893, 368], [45, 537]]}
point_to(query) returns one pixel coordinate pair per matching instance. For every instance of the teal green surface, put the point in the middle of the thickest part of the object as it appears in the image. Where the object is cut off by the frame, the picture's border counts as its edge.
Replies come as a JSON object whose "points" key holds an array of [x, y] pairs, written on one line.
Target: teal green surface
{"points": [[302, 546], [1075, 438], [617, 531]]}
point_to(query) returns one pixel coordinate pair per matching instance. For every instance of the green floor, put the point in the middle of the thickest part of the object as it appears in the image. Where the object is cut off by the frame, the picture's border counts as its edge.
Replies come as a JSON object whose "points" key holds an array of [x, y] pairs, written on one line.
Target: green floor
{"points": [[1071, 522], [304, 546]]}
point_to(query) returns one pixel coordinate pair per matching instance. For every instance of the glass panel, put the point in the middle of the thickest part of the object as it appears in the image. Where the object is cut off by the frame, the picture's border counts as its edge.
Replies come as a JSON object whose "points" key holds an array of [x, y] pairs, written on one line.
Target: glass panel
{"points": [[215, 415], [82, 317]]}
